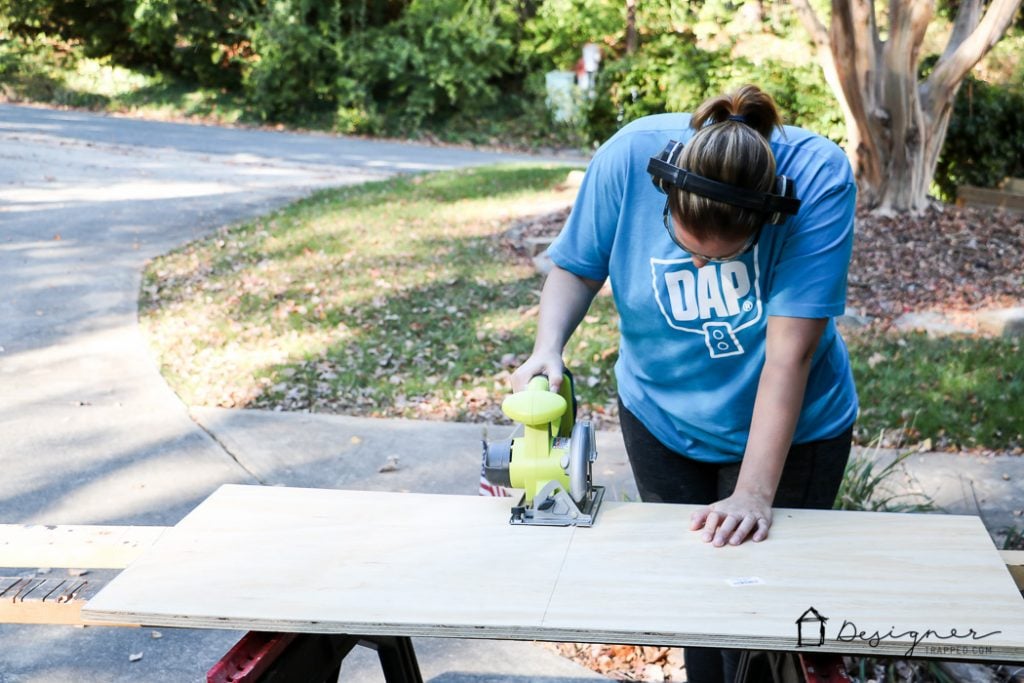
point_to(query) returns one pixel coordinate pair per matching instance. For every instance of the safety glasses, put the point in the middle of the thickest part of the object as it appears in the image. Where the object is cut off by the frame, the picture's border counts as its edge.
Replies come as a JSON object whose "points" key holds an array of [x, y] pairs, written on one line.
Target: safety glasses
{"points": [[666, 218]]}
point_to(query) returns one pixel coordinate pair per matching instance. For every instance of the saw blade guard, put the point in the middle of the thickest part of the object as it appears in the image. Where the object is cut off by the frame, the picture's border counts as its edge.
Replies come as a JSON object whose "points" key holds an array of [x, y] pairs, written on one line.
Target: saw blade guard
{"points": [[582, 454]]}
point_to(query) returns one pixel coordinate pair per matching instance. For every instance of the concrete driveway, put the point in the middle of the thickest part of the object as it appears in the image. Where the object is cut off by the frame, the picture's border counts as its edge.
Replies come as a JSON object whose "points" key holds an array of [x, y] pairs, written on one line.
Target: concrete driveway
{"points": [[89, 431]]}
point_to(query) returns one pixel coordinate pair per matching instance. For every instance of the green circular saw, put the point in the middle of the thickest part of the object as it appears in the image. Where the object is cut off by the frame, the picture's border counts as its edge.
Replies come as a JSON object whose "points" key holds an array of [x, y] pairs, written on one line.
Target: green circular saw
{"points": [[551, 462]]}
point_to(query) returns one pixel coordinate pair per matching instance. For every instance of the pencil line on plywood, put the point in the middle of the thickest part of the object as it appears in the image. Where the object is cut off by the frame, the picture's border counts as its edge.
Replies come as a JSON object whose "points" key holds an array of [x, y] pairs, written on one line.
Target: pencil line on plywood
{"points": [[558, 576]]}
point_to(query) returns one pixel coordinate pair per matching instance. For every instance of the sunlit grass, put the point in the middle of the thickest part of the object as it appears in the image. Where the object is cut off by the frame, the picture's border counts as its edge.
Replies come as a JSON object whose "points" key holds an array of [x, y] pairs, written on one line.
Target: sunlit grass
{"points": [[955, 392], [399, 298], [50, 71], [393, 298], [100, 78]]}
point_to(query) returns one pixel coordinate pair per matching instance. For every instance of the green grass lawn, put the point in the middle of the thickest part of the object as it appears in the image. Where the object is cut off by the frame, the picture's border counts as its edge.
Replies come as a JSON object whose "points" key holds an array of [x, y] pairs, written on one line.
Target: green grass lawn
{"points": [[403, 298], [953, 392], [392, 298]]}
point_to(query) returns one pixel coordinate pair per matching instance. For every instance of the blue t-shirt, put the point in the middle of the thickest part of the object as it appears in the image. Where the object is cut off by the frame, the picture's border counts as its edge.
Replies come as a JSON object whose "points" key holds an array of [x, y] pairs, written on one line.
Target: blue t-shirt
{"points": [[693, 340]]}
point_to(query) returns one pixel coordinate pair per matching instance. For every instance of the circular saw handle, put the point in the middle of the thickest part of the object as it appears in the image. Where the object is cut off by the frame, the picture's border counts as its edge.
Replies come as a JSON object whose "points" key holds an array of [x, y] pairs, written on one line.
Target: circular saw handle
{"points": [[535, 405]]}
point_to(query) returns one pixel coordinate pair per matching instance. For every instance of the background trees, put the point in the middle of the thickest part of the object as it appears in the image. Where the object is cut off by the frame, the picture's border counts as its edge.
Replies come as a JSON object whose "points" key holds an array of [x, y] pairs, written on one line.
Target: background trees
{"points": [[897, 117], [888, 86]]}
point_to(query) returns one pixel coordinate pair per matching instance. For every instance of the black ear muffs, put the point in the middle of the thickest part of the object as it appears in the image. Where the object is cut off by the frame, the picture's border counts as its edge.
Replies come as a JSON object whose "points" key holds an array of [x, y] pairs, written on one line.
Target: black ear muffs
{"points": [[776, 206]]}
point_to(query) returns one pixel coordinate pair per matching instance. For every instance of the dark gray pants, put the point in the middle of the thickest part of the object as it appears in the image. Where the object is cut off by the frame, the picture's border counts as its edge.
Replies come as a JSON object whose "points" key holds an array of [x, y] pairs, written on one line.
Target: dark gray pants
{"points": [[810, 479]]}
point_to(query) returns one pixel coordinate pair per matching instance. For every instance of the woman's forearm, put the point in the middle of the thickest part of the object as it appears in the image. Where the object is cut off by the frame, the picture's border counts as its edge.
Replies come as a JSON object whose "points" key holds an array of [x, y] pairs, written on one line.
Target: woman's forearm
{"points": [[563, 303], [780, 393]]}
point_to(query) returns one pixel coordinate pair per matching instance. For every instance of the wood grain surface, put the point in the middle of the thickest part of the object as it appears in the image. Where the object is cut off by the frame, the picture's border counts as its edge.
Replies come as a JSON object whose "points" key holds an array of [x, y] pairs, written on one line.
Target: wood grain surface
{"points": [[96, 547], [367, 563]]}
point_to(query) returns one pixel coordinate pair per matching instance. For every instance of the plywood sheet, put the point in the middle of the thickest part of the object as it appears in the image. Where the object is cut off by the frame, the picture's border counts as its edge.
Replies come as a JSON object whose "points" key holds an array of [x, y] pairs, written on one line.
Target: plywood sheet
{"points": [[95, 547], [309, 560]]}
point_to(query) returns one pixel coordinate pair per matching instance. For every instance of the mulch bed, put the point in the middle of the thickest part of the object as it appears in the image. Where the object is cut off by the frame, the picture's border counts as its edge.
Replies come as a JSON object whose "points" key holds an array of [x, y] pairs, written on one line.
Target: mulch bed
{"points": [[955, 261]]}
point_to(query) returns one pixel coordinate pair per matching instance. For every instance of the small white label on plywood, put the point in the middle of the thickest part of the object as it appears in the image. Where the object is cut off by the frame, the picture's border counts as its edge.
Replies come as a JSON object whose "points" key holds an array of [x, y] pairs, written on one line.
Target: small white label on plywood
{"points": [[738, 581]]}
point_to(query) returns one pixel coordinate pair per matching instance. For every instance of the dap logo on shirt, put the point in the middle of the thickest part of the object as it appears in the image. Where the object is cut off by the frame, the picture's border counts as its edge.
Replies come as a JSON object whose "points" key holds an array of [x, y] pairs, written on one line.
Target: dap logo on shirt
{"points": [[715, 301]]}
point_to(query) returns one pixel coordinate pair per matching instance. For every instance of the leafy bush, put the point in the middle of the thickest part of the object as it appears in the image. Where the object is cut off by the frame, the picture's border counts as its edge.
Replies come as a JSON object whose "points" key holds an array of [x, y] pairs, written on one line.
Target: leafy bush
{"points": [[98, 25], [27, 70], [803, 96], [671, 73], [400, 66], [438, 57], [984, 140], [668, 73], [553, 37], [295, 74], [206, 42]]}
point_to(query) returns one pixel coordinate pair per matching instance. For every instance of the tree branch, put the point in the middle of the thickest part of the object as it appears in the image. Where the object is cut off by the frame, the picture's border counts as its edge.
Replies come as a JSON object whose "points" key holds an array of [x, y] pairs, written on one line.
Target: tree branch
{"points": [[952, 68], [813, 25], [826, 58], [921, 15], [966, 20], [856, 48]]}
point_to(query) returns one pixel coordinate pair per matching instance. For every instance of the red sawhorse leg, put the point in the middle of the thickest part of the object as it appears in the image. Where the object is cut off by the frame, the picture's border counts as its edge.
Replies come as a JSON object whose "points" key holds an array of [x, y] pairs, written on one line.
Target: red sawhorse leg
{"points": [[310, 657], [791, 667]]}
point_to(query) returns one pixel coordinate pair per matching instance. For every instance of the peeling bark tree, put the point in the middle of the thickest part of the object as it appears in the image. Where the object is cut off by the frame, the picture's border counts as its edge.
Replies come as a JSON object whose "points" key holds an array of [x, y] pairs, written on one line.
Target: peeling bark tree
{"points": [[895, 123]]}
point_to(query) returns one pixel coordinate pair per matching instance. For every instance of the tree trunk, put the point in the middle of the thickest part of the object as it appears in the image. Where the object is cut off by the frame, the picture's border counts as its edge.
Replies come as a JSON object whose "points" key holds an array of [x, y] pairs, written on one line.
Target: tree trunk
{"points": [[896, 125], [632, 37]]}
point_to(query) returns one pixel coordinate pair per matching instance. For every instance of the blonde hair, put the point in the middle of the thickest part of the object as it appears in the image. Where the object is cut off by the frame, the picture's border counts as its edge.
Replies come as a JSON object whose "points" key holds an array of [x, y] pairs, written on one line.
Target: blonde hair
{"points": [[730, 150]]}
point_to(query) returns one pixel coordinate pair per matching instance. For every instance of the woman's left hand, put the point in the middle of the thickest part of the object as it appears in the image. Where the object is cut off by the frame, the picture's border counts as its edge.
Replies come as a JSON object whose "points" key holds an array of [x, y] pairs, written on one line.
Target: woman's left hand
{"points": [[734, 519]]}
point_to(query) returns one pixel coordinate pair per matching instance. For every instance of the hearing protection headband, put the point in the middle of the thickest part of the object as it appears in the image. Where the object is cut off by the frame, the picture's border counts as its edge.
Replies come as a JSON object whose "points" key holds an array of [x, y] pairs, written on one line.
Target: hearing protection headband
{"points": [[776, 206]]}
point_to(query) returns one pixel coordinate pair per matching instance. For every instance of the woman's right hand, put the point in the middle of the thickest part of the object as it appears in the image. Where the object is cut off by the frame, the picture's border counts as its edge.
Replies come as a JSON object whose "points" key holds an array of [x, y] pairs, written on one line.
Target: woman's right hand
{"points": [[548, 364]]}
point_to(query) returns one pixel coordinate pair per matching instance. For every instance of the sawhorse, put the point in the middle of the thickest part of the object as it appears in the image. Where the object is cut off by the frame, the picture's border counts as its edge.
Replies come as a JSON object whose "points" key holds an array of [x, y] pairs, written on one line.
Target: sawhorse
{"points": [[313, 657], [791, 667], [316, 658]]}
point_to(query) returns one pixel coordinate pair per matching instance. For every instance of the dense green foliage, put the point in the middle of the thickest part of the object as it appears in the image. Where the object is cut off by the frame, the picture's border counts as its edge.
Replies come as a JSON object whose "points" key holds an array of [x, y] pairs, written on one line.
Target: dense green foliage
{"points": [[438, 57], [456, 69], [298, 72], [670, 73], [98, 25], [985, 144]]}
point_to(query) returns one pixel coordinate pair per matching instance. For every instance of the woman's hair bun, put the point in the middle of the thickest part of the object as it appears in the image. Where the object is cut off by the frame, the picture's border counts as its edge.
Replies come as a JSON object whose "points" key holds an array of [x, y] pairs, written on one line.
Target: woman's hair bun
{"points": [[755, 106]]}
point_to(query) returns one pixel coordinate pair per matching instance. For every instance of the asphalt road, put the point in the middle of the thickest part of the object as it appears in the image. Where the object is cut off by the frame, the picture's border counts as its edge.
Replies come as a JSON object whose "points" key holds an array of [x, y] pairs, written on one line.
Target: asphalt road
{"points": [[89, 431]]}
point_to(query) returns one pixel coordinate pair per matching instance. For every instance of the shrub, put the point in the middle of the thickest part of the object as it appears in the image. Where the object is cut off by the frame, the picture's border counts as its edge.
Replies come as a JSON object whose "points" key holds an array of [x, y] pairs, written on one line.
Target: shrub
{"points": [[205, 42], [294, 75], [668, 73], [98, 25], [803, 96], [984, 140], [671, 73], [554, 36], [438, 57]]}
